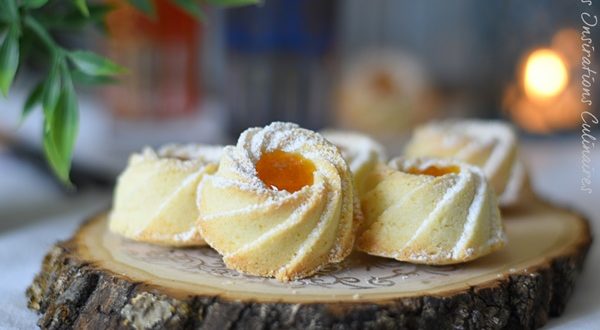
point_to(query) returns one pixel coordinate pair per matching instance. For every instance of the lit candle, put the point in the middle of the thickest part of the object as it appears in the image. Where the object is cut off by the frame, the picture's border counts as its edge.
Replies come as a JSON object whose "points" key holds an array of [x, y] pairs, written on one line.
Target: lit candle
{"points": [[545, 75], [543, 100]]}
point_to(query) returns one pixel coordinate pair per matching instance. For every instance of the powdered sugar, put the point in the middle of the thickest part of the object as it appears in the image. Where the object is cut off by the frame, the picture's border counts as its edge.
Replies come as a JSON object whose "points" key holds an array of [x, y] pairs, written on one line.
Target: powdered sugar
{"points": [[482, 207], [159, 182], [180, 156], [206, 153], [357, 149], [476, 136], [331, 188], [288, 137], [191, 234]]}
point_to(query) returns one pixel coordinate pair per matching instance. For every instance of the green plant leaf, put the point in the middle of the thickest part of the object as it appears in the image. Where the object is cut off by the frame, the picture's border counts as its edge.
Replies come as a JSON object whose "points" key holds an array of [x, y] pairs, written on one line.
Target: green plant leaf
{"points": [[73, 19], [41, 32], [33, 4], [33, 100], [82, 6], [9, 59], [51, 93], [85, 79], [4, 16], [9, 10], [93, 64], [59, 140], [233, 3], [191, 7], [146, 6]]}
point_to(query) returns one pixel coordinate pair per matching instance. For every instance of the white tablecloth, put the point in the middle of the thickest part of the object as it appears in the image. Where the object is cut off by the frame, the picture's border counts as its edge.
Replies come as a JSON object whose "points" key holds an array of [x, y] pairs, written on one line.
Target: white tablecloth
{"points": [[21, 252], [557, 175]]}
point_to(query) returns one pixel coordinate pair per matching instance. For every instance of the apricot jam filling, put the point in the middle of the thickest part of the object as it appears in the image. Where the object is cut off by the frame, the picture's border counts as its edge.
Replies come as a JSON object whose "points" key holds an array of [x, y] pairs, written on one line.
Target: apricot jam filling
{"points": [[382, 82], [434, 170], [285, 170]]}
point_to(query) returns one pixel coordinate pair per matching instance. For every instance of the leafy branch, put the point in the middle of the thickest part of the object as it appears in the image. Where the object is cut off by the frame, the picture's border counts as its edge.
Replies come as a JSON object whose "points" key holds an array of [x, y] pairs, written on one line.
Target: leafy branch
{"points": [[29, 24]]}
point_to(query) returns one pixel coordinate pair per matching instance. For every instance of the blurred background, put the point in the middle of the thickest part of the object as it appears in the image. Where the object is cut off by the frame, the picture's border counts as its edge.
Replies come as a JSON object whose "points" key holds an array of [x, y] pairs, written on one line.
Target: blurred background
{"points": [[381, 68]]}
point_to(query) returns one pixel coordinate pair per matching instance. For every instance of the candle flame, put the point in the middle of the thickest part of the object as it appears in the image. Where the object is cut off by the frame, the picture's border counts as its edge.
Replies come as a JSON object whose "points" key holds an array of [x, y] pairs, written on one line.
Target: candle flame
{"points": [[545, 74]]}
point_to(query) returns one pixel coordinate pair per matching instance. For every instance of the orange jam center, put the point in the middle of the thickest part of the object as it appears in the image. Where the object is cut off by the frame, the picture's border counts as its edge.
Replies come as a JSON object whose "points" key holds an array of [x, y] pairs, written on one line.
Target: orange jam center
{"points": [[383, 83], [434, 170], [285, 170]]}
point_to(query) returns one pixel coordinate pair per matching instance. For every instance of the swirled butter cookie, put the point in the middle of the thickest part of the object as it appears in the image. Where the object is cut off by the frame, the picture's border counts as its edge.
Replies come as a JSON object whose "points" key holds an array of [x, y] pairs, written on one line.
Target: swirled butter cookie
{"points": [[281, 203], [361, 152], [155, 197], [430, 211], [490, 145]]}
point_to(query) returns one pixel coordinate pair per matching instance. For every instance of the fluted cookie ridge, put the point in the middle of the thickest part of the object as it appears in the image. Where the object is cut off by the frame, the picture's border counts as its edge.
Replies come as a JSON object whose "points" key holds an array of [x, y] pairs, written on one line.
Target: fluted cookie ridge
{"points": [[488, 144], [154, 198], [361, 152], [430, 211], [264, 229]]}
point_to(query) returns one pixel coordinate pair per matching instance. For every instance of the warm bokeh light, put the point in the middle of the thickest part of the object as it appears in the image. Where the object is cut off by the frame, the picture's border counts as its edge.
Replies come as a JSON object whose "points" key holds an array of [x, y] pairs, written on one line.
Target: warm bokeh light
{"points": [[545, 74], [543, 99]]}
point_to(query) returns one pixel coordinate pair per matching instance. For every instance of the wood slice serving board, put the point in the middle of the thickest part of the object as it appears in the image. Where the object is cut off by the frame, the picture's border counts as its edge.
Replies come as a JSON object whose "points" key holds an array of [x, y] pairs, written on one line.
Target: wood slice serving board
{"points": [[97, 280]]}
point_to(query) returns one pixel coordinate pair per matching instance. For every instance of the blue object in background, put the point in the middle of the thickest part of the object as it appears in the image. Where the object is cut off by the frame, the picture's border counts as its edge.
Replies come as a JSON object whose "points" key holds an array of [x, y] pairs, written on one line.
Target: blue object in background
{"points": [[279, 63], [282, 26]]}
